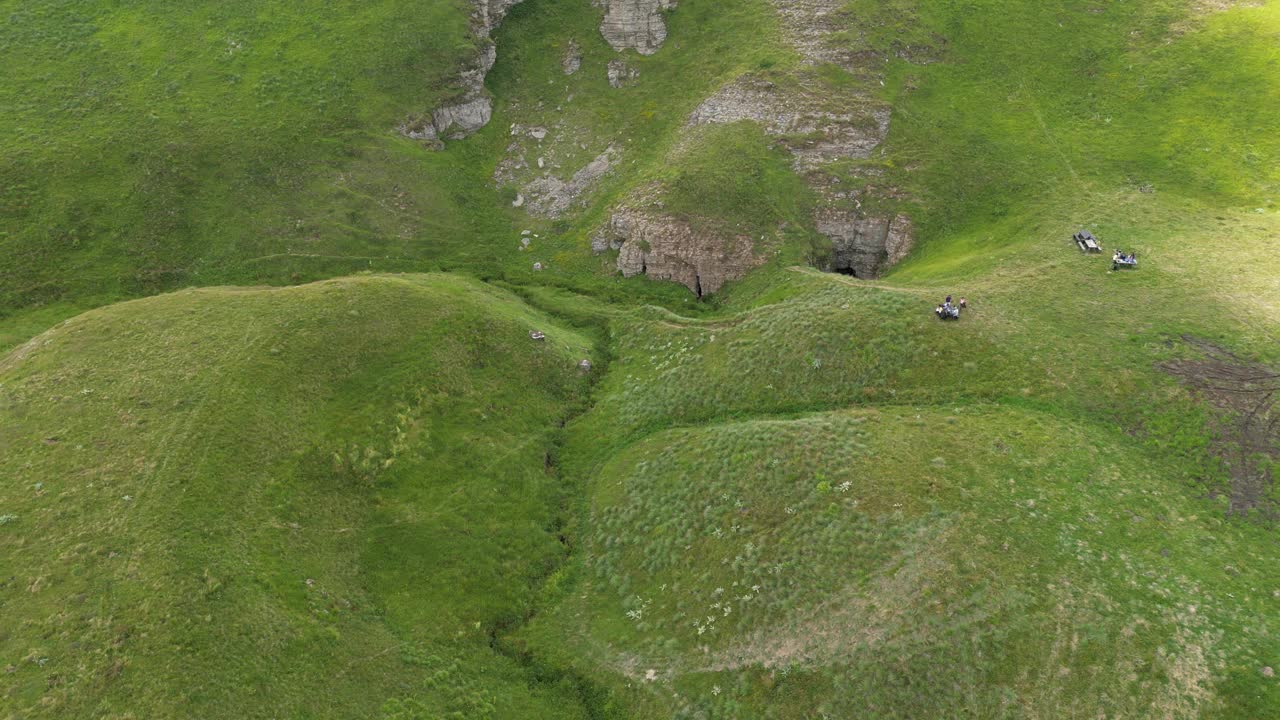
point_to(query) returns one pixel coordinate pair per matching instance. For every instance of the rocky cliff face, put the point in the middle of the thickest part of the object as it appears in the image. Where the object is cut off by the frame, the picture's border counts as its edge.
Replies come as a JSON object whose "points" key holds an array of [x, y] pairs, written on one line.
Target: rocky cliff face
{"points": [[473, 111], [666, 248], [823, 126], [634, 24], [865, 246]]}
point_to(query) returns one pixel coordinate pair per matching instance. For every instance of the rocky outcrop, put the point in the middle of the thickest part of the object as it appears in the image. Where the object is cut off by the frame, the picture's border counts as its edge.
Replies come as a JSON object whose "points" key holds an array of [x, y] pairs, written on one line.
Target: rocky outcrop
{"points": [[572, 60], [666, 248], [811, 26], [620, 73], [549, 196], [820, 127], [817, 125], [824, 126], [474, 109], [634, 24], [865, 246]]}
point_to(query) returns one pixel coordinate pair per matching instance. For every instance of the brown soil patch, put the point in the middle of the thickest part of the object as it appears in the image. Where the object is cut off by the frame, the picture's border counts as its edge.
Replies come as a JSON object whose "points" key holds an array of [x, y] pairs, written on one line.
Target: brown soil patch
{"points": [[1243, 396]]}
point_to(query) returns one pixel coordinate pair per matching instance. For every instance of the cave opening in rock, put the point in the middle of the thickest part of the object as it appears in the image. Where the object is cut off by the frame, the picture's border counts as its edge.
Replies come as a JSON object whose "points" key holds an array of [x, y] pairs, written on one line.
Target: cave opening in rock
{"points": [[845, 271]]}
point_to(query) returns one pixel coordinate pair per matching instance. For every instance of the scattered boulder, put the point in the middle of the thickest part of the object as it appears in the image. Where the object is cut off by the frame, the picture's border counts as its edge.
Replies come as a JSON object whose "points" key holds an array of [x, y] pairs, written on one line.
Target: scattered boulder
{"points": [[620, 73], [549, 196], [604, 240], [572, 60], [634, 24]]}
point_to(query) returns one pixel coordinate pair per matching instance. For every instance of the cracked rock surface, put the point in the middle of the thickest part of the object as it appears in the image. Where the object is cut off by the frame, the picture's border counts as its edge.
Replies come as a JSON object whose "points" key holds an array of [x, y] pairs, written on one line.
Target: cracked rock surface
{"points": [[666, 248], [634, 24]]}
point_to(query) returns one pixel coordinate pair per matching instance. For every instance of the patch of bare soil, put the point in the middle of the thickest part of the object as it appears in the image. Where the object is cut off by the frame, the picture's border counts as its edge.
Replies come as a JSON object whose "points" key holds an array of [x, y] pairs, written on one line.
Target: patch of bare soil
{"points": [[1200, 9], [1243, 398]]}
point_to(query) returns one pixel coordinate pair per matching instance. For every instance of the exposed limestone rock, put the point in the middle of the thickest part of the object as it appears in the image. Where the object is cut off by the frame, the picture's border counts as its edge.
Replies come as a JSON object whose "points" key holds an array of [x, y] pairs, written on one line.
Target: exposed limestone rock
{"points": [[822, 126], [452, 121], [620, 73], [473, 111], [572, 61], [665, 248], [549, 196], [810, 25], [865, 246], [834, 127], [634, 24], [604, 240]]}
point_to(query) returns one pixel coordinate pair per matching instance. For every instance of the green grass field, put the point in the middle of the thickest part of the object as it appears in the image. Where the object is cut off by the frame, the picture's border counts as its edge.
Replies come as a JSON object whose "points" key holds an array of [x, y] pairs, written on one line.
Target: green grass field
{"points": [[275, 441]]}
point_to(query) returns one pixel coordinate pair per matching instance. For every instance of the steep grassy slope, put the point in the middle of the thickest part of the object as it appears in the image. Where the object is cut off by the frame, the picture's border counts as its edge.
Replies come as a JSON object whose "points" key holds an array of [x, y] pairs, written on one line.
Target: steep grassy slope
{"points": [[148, 145], [312, 502]]}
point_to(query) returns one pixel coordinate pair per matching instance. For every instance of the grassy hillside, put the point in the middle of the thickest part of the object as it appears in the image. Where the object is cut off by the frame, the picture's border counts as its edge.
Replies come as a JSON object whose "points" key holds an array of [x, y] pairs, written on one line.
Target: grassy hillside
{"points": [[713, 469], [376, 496], [1077, 99], [149, 145], [151, 148], [318, 501]]}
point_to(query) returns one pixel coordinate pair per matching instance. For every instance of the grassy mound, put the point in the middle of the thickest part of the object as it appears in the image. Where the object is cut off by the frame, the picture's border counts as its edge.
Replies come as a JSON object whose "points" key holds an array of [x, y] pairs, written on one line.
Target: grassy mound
{"points": [[978, 561], [309, 502]]}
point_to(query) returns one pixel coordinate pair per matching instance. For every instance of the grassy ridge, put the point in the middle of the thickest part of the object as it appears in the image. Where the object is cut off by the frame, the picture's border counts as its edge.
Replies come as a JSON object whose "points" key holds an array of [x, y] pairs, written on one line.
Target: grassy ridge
{"points": [[260, 503]]}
